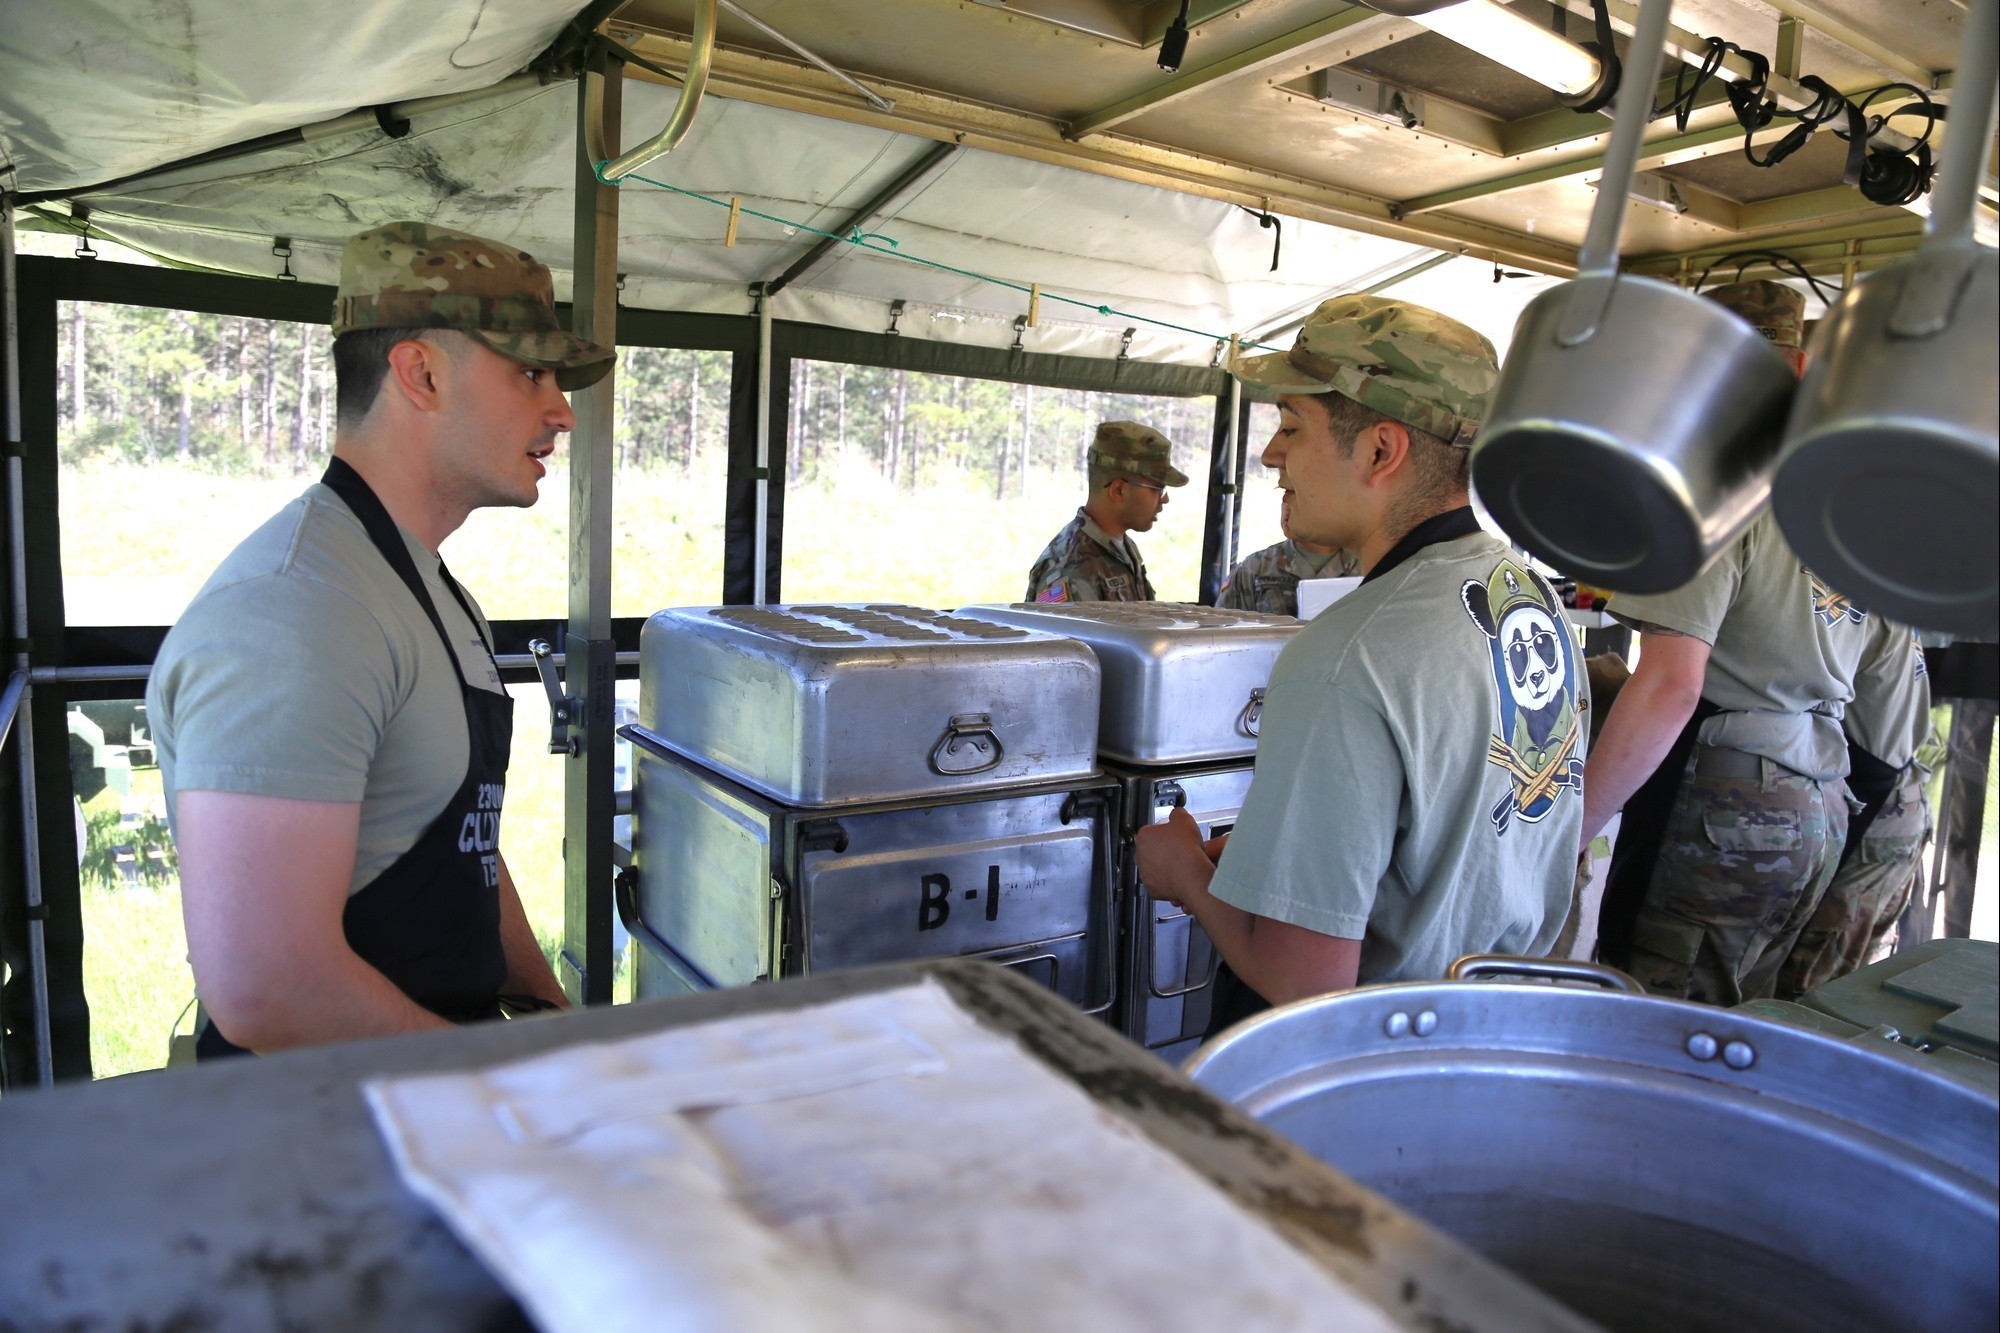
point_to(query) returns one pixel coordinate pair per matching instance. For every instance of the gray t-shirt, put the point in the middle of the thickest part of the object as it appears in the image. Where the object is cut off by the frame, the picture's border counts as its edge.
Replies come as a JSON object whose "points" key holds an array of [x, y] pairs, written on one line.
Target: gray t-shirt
{"points": [[305, 669], [1783, 650], [1419, 778], [1891, 713]]}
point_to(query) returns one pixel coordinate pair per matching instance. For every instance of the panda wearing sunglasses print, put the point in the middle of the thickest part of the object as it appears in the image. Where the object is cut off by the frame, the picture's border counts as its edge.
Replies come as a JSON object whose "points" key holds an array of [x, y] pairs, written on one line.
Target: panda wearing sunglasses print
{"points": [[1538, 742]]}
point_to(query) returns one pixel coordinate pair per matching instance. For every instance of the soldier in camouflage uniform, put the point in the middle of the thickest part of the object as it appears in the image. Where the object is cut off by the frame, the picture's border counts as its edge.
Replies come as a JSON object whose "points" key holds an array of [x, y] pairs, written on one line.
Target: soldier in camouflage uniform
{"points": [[1094, 558], [1725, 752], [1268, 580], [1891, 749]]}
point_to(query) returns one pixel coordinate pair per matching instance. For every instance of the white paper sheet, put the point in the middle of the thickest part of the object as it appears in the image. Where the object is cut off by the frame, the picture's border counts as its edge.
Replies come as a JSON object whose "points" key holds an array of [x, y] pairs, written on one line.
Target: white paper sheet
{"points": [[877, 1163]]}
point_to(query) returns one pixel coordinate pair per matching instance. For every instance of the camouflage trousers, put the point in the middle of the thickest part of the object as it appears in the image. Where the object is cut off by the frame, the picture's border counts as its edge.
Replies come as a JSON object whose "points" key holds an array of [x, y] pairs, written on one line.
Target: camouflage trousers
{"points": [[1743, 864], [1850, 928]]}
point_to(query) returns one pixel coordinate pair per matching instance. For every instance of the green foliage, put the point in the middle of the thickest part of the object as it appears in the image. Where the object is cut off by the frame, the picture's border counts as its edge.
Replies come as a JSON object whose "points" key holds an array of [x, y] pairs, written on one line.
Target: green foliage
{"points": [[117, 855]]}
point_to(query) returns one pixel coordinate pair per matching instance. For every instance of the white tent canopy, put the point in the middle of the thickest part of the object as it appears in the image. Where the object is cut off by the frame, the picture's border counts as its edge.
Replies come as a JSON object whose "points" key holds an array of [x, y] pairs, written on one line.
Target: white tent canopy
{"points": [[87, 95]]}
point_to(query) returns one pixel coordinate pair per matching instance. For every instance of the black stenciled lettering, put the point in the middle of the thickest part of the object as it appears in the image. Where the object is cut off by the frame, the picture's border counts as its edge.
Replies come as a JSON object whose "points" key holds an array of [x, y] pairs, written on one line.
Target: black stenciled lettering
{"points": [[934, 906], [993, 893]]}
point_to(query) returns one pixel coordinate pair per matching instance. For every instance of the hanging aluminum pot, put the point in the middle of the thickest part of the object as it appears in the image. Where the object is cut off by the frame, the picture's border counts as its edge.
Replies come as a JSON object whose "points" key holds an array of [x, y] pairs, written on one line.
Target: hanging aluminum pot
{"points": [[1889, 480], [1631, 434], [1654, 1164]]}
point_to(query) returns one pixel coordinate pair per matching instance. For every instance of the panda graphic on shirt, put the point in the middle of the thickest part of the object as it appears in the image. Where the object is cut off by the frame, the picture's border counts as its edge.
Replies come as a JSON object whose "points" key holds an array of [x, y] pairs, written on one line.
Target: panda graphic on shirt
{"points": [[1539, 741]]}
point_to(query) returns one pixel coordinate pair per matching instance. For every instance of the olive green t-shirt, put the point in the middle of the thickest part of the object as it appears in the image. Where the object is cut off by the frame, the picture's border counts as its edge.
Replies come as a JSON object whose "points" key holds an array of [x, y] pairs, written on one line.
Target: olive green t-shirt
{"points": [[1783, 650], [304, 668], [1891, 713], [1419, 777]]}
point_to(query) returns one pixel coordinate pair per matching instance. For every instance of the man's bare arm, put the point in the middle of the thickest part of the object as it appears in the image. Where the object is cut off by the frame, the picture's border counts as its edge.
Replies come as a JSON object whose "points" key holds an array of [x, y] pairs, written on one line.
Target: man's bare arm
{"points": [[527, 966], [264, 882], [1650, 711], [1278, 960]]}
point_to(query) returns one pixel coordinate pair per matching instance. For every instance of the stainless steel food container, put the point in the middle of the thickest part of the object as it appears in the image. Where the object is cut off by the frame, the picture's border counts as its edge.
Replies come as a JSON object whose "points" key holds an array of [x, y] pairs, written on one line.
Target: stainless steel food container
{"points": [[1653, 1163], [1167, 965], [1183, 684], [829, 705], [731, 887]]}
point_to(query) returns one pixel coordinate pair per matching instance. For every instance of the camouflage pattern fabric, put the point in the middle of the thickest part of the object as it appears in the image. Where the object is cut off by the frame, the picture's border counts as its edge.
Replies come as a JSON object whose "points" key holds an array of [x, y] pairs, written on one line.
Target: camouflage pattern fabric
{"points": [[1082, 564], [1268, 580], [1743, 865], [1136, 451], [411, 275], [1773, 309], [1851, 926], [1408, 362]]}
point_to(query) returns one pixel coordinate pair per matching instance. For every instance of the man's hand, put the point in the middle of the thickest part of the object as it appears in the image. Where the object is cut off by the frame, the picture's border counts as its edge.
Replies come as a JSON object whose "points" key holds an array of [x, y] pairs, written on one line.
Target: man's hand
{"points": [[1174, 863], [264, 884]]}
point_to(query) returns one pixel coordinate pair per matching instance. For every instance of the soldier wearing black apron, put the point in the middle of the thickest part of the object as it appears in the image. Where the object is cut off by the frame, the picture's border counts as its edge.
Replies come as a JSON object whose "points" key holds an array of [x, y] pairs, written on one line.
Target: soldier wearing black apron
{"points": [[332, 727]]}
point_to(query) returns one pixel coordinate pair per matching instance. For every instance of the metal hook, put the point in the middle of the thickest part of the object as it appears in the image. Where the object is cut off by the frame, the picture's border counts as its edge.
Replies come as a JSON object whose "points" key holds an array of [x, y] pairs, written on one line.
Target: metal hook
{"points": [[281, 246], [895, 316]]}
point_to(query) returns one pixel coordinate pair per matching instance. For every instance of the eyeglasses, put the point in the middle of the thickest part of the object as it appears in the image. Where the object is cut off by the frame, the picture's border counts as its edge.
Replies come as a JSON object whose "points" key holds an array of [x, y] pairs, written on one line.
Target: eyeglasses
{"points": [[1545, 647]]}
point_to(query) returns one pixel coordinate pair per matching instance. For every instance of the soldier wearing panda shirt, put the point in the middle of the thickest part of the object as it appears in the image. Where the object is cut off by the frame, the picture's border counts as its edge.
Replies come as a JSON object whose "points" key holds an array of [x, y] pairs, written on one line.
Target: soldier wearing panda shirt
{"points": [[1418, 786]]}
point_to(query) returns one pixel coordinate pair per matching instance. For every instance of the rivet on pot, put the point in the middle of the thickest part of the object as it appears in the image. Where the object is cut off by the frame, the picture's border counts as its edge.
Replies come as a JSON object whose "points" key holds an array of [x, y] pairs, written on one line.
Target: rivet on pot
{"points": [[1702, 1046], [1738, 1055], [1398, 1024], [1427, 1023]]}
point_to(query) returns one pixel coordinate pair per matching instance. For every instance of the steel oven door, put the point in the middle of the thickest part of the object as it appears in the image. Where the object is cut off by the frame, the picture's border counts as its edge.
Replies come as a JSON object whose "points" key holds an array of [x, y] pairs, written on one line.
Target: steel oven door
{"points": [[1022, 880], [1169, 964]]}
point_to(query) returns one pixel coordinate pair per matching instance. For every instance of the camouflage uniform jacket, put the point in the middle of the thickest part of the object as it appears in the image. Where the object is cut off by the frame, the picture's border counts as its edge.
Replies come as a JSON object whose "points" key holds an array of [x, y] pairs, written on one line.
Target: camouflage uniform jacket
{"points": [[1083, 564], [1268, 580]]}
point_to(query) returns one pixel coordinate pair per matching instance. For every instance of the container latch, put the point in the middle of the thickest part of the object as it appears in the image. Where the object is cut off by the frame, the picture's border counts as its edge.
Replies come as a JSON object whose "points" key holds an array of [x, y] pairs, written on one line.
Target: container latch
{"points": [[969, 745], [562, 708], [1252, 715]]}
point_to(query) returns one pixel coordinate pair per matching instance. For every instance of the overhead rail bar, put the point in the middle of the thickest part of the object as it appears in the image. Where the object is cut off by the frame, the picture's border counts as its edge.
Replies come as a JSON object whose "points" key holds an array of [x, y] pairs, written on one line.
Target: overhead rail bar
{"points": [[891, 196], [693, 85], [873, 98], [353, 122]]}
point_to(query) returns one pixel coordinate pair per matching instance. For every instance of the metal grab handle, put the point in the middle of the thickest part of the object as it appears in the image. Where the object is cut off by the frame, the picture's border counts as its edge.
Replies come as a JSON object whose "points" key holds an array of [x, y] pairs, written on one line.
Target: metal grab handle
{"points": [[701, 54], [1476, 965], [1148, 930], [1252, 716], [976, 729]]}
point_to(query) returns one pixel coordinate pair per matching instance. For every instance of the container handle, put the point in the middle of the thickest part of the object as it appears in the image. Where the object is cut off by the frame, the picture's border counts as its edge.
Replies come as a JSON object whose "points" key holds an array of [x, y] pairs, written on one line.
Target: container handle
{"points": [[1476, 965], [1252, 716], [971, 732]]}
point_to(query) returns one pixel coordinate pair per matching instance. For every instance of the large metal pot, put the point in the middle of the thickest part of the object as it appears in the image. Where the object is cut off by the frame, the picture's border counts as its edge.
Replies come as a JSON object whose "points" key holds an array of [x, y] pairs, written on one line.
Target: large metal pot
{"points": [[1631, 433], [1656, 1164], [1889, 482]]}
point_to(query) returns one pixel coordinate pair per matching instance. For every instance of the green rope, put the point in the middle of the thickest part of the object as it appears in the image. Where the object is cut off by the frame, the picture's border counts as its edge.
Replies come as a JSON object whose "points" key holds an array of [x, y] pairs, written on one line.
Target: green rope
{"points": [[883, 245]]}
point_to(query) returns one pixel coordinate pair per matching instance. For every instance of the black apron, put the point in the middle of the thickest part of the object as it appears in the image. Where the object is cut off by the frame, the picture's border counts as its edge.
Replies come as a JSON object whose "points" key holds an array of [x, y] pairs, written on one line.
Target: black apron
{"points": [[1234, 1000], [1637, 850], [431, 921]]}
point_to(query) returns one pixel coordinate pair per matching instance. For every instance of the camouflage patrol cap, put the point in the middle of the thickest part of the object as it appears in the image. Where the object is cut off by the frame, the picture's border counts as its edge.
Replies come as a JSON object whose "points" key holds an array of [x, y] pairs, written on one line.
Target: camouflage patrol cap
{"points": [[1426, 370], [412, 275], [1136, 451], [1773, 309]]}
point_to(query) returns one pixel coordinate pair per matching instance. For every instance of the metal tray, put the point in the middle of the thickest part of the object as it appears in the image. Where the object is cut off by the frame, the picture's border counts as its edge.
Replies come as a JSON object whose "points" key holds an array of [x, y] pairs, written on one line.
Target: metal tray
{"points": [[1183, 684], [828, 705]]}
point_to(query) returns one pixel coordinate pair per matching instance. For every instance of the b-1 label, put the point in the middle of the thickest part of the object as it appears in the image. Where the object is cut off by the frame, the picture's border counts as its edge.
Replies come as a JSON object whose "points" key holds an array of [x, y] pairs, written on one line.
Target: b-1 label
{"points": [[934, 898]]}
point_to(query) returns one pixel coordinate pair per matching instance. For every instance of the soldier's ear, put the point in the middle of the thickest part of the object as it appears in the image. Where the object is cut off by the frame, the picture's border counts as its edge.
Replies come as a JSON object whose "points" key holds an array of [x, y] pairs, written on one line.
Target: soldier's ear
{"points": [[1479, 607]]}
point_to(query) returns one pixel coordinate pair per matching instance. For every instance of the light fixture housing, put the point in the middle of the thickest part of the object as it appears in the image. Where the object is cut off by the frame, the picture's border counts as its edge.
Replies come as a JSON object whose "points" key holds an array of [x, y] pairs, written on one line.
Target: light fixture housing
{"points": [[1501, 35]]}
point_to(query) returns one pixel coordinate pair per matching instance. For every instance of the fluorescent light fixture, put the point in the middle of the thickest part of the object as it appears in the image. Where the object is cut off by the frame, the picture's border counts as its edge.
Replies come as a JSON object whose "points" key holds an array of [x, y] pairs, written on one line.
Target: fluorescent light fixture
{"points": [[1519, 43]]}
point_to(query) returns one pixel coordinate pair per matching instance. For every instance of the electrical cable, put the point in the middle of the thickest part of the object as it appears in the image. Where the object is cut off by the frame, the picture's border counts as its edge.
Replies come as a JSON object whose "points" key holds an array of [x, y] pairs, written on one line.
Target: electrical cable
{"points": [[877, 243], [1898, 176], [1777, 259]]}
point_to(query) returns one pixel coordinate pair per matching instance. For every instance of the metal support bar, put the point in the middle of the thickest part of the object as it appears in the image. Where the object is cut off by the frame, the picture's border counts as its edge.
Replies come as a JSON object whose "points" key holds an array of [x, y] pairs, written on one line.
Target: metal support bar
{"points": [[873, 98], [1232, 447], [693, 85], [18, 690], [761, 488], [1813, 15], [1355, 21], [885, 200], [590, 670], [1962, 815]]}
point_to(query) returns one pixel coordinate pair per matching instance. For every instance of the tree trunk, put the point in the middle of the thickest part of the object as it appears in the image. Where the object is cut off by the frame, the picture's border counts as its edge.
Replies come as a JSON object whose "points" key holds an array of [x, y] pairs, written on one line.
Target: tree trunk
{"points": [[795, 416], [270, 412], [895, 468], [841, 416], [79, 405], [304, 412], [694, 414], [243, 386]]}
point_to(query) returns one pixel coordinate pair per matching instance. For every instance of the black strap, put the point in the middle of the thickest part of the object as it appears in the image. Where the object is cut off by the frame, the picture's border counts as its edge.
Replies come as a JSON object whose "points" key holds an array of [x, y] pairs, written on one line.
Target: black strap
{"points": [[1446, 527], [1872, 780], [1644, 828], [354, 491]]}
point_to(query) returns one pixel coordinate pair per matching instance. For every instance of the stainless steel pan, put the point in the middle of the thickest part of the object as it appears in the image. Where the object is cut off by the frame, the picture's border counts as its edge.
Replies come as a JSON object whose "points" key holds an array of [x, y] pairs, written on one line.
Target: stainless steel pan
{"points": [[1655, 1164], [1631, 434], [1889, 480]]}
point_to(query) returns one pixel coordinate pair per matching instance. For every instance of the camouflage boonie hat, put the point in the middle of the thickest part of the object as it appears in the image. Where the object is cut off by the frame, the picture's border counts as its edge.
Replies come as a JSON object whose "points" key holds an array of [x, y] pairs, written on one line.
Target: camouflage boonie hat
{"points": [[1773, 309], [411, 275], [1426, 370], [1137, 451]]}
